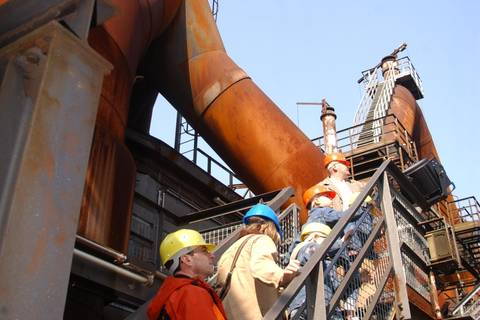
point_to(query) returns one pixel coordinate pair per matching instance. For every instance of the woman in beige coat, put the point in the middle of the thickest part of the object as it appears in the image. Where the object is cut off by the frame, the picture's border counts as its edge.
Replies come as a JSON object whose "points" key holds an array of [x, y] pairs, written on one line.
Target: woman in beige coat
{"points": [[256, 280]]}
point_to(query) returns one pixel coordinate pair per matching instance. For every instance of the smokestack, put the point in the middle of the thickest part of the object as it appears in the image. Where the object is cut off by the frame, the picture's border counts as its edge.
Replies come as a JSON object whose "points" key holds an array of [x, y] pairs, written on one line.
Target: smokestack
{"points": [[329, 129], [389, 66]]}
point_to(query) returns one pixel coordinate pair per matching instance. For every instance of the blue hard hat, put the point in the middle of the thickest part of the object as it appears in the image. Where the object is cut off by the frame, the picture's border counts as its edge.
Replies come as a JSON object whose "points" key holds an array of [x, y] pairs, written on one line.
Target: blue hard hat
{"points": [[263, 211]]}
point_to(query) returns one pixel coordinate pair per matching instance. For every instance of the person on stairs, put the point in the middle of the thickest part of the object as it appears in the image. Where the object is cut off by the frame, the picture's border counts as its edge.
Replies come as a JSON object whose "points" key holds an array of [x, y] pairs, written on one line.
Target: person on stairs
{"points": [[249, 281], [338, 172], [185, 295]]}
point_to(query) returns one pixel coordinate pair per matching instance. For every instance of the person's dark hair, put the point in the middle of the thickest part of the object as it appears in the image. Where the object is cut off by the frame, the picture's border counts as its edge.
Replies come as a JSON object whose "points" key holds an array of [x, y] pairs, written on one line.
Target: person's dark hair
{"points": [[169, 263]]}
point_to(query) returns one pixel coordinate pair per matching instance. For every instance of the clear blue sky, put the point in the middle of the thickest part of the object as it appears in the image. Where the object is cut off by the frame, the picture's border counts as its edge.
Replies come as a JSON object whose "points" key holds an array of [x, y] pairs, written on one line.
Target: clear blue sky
{"points": [[306, 51]]}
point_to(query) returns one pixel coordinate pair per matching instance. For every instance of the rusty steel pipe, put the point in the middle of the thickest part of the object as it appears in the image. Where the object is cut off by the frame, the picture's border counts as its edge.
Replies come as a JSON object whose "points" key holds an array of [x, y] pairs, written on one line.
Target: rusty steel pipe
{"points": [[124, 40], [405, 108], [110, 181], [328, 118], [187, 63], [189, 66], [259, 142]]}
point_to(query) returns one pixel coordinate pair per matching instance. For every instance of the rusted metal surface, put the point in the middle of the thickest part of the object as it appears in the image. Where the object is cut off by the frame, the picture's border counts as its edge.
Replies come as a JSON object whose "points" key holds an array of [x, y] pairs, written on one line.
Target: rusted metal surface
{"points": [[108, 195], [328, 118], [389, 67], [406, 109], [232, 114], [110, 181], [123, 41], [434, 297], [55, 80], [421, 308]]}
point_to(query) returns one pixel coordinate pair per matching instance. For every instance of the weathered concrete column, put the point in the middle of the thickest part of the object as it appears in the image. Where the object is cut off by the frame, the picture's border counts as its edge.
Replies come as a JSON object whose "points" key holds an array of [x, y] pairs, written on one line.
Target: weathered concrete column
{"points": [[50, 84]]}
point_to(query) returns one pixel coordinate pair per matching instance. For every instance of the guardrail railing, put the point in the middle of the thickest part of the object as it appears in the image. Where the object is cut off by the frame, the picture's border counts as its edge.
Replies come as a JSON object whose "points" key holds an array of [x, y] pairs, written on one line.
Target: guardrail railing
{"points": [[368, 276]]}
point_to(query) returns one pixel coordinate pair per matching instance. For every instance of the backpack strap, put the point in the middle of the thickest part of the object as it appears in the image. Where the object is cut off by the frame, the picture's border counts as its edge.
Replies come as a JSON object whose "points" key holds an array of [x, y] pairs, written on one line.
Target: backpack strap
{"points": [[163, 314], [225, 288]]}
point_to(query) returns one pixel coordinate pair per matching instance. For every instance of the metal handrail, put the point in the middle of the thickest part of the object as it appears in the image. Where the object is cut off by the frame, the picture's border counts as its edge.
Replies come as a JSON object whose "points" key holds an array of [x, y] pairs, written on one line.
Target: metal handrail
{"points": [[183, 128], [370, 87], [461, 306], [386, 225], [145, 280], [210, 159], [464, 210], [405, 67], [392, 130]]}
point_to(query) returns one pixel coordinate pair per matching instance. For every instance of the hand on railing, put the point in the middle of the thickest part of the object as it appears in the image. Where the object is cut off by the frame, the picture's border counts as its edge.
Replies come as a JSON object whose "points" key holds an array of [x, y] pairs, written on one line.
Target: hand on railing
{"points": [[290, 272]]}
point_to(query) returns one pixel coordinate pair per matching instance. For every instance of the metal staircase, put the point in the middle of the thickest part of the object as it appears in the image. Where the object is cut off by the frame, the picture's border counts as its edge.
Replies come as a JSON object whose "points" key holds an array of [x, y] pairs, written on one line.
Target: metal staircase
{"points": [[470, 305], [465, 220], [377, 96], [381, 272], [388, 268]]}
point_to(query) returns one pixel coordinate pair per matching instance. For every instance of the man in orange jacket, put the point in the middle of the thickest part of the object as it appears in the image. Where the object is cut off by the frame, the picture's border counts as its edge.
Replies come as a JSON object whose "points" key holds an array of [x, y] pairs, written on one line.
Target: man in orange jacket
{"points": [[186, 295]]}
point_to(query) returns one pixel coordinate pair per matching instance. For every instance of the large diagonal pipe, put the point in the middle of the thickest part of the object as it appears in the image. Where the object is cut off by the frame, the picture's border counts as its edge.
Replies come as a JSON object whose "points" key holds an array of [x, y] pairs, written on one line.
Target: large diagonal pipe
{"points": [[189, 66], [187, 63]]}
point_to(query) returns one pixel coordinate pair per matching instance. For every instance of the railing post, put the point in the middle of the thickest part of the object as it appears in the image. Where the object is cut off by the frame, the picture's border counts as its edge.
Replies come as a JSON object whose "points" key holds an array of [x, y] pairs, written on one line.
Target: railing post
{"points": [[401, 140], [319, 312], [195, 147], [402, 306]]}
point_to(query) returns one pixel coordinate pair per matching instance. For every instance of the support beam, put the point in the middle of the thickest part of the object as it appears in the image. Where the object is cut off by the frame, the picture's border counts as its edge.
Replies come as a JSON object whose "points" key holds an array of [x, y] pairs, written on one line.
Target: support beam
{"points": [[49, 93], [402, 307]]}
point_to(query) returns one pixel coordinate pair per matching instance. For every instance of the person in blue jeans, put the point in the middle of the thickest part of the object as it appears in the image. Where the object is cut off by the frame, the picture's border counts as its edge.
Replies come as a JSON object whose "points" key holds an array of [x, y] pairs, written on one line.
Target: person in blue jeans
{"points": [[318, 201], [311, 237]]}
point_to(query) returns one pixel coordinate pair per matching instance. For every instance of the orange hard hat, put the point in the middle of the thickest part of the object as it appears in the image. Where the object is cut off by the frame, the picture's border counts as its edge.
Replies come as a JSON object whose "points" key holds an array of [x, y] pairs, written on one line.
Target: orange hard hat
{"points": [[336, 156], [317, 190]]}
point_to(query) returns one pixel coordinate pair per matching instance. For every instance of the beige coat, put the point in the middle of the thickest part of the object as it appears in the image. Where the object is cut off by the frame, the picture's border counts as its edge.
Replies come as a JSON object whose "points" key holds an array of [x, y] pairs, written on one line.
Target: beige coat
{"points": [[355, 186], [255, 280]]}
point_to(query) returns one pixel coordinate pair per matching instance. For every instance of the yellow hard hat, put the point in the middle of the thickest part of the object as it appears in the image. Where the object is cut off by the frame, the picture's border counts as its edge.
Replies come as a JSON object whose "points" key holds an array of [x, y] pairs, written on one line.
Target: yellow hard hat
{"points": [[314, 227], [181, 242], [355, 195]]}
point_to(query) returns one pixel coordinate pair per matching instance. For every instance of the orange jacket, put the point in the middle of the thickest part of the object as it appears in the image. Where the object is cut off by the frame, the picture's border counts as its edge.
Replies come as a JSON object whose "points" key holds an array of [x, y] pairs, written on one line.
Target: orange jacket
{"points": [[184, 298]]}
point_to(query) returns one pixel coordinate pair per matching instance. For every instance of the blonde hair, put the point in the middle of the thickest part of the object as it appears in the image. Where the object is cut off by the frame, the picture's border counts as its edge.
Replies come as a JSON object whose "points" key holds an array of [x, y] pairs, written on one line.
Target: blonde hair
{"points": [[263, 226]]}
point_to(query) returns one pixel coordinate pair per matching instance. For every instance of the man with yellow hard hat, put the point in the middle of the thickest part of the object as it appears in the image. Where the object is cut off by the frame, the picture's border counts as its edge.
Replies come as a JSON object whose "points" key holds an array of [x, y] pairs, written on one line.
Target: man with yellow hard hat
{"points": [[186, 295]]}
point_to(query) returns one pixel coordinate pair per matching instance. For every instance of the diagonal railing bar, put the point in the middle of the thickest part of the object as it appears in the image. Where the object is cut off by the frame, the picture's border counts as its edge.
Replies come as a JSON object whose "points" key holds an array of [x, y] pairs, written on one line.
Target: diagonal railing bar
{"points": [[402, 306], [354, 267], [319, 255], [382, 283], [386, 221], [317, 296], [274, 199], [461, 306]]}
